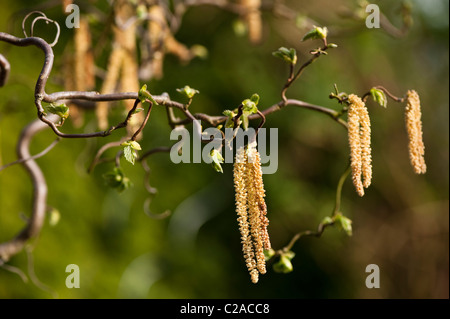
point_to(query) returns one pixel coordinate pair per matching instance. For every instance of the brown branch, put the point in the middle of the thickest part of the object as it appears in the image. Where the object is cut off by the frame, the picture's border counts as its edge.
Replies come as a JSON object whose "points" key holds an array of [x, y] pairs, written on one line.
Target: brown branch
{"points": [[39, 202]]}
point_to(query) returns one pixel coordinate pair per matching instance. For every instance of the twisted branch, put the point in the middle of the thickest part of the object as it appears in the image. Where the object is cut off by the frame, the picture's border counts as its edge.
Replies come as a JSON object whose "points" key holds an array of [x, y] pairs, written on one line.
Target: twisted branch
{"points": [[39, 201]]}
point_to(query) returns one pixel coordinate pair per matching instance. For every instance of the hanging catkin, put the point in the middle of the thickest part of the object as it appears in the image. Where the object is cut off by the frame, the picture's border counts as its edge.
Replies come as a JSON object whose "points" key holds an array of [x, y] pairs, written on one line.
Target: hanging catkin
{"points": [[122, 61], [251, 210], [413, 121], [253, 20], [359, 142]]}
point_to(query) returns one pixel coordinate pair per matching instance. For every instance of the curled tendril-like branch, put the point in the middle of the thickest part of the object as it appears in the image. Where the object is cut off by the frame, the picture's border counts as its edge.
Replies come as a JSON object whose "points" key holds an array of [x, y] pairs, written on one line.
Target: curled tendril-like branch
{"points": [[39, 203], [152, 191], [40, 13]]}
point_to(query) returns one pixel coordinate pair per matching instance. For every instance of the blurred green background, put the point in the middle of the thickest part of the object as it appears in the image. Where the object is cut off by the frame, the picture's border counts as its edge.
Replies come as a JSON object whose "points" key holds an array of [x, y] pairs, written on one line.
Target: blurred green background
{"points": [[401, 224]]}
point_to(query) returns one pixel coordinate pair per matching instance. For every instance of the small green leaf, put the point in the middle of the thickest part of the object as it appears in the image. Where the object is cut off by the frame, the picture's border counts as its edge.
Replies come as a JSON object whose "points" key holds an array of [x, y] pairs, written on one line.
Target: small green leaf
{"points": [[129, 154], [135, 145], [188, 91], [145, 95], [230, 120], [288, 55], [379, 97], [249, 106], [345, 223], [316, 33], [217, 159], [284, 265], [59, 109], [332, 45]]}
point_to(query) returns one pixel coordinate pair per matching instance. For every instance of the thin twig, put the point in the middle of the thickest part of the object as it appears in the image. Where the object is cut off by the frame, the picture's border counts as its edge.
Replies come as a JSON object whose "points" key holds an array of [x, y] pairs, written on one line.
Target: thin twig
{"points": [[44, 152]]}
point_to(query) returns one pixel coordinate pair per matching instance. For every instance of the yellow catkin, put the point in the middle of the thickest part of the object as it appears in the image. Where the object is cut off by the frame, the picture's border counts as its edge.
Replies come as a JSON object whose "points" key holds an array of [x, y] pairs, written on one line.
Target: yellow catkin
{"points": [[241, 210], [260, 194], [413, 121], [253, 20], [354, 140], [83, 68], [123, 61], [254, 212], [366, 149], [251, 209], [157, 32]]}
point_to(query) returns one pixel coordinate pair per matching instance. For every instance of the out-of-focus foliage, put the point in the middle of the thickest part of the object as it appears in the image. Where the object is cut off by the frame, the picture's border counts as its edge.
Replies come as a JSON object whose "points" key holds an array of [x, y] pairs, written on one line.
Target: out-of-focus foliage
{"points": [[401, 224]]}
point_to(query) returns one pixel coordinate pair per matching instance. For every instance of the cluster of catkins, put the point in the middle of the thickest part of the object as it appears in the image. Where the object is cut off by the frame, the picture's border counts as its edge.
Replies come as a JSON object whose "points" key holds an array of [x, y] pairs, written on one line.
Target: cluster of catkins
{"points": [[251, 210], [359, 139]]}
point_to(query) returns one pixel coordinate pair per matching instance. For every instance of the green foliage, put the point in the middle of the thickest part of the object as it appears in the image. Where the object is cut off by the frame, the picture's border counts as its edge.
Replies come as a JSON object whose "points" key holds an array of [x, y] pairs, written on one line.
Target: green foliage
{"points": [[249, 107], [288, 55], [344, 223], [129, 150], [145, 95], [217, 159], [59, 109], [379, 97], [317, 33], [284, 264], [188, 91]]}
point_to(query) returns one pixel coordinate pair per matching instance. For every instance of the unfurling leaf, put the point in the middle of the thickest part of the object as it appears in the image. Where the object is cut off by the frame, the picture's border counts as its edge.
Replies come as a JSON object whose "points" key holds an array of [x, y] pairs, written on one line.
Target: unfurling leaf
{"points": [[288, 55], [217, 159], [230, 120], [61, 110], [249, 108], [316, 33], [135, 145], [345, 223], [145, 95], [284, 265], [379, 97], [188, 91]]}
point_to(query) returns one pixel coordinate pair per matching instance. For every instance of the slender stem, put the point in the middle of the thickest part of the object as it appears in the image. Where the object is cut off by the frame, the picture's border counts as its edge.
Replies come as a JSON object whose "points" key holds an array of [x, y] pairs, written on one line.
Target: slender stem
{"points": [[22, 160], [323, 225], [392, 96], [139, 130], [302, 68], [337, 205]]}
